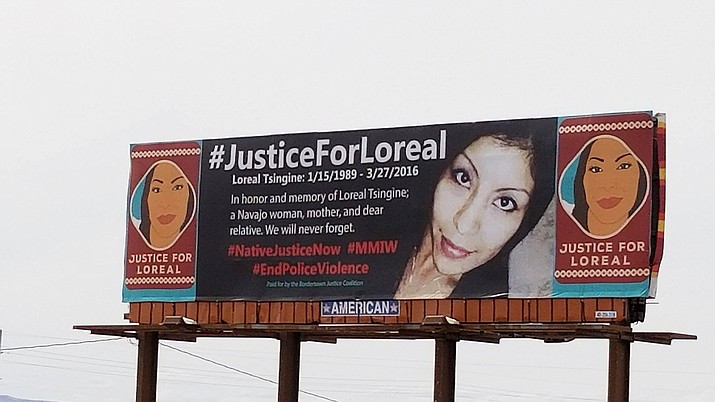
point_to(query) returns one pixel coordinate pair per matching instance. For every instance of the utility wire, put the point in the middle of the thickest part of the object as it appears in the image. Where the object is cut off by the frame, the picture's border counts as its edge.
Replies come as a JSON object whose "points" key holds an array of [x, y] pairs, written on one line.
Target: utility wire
{"points": [[51, 345], [499, 391], [241, 371]]}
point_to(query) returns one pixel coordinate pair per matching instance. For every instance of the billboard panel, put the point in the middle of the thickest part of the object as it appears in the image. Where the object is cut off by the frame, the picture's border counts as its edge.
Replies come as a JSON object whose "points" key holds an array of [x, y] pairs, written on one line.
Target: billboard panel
{"points": [[161, 222], [465, 210], [604, 192]]}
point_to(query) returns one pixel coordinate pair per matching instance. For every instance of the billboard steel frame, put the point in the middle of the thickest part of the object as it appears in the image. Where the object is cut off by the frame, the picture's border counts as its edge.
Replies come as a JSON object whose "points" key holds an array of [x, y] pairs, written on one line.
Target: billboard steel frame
{"points": [[445, 331]]}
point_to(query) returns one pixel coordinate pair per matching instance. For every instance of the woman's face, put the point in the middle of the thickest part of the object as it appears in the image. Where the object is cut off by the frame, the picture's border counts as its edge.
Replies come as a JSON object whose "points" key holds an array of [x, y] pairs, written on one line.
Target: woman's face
{"points": [[167, 202], [479, 203], [610, 181]]}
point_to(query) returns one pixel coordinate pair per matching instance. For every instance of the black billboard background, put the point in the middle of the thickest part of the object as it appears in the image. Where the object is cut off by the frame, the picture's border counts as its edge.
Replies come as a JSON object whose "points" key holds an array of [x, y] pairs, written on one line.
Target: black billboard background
{"points": [[221, 276]]}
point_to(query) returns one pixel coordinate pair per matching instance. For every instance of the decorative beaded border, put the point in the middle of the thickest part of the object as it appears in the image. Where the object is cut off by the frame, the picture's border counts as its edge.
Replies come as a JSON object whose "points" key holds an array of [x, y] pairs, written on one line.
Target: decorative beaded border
{"points": [[165, 153], [173, 280], [603, 273], [624, 125]]}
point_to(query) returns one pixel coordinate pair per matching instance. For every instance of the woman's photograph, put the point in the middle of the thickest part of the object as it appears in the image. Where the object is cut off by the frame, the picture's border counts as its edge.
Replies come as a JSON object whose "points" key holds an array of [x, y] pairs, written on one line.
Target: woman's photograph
{"points": [[496, 187]]}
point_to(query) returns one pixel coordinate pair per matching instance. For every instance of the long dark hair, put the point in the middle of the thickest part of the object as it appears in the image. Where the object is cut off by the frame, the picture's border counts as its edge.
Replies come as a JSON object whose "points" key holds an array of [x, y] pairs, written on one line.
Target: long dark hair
{"points": [[580, 208], [538, 138], [145, 224]]}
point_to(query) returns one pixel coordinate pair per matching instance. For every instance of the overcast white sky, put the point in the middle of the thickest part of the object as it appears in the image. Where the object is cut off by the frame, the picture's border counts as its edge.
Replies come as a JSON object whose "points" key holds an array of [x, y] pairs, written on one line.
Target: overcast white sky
{"points": [[81, 80]]}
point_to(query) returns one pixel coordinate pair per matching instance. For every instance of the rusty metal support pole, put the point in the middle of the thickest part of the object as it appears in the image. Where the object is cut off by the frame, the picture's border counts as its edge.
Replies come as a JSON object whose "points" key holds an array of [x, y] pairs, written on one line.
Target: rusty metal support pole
{"points": [[289, 367], [445, 358], [147, 358], [619, 364]]}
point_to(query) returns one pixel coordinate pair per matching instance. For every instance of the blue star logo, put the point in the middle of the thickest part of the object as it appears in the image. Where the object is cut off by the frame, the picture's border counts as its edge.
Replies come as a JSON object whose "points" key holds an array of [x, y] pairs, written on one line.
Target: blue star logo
{"points": [[394, 306], [327, 307]]}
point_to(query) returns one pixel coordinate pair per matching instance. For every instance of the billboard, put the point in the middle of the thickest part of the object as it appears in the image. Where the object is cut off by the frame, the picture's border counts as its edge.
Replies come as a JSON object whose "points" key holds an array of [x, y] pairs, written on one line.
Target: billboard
{"points": [[547, 207]]}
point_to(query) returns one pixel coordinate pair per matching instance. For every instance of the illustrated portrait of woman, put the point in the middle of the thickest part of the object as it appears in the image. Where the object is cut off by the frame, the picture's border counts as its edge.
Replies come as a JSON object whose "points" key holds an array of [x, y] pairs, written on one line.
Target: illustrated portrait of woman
{"points": [[166, 204], [486, 200], [610, 186]]}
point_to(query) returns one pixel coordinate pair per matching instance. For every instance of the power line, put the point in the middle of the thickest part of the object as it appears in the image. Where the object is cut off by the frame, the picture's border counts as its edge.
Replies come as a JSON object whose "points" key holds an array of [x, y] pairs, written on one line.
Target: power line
{"points": [[332, 359], [51, 345], [376, 383], [70, 369], [241, 371]]}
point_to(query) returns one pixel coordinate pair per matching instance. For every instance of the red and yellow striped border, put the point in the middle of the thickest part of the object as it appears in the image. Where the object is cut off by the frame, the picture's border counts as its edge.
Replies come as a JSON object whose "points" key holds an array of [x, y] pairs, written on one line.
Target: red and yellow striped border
{"points": [[657, 254]]}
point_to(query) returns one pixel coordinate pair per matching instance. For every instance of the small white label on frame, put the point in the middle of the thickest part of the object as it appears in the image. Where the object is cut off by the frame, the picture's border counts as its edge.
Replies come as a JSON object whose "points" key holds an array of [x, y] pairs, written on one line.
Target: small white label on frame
{"points": [[605, 314]]}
